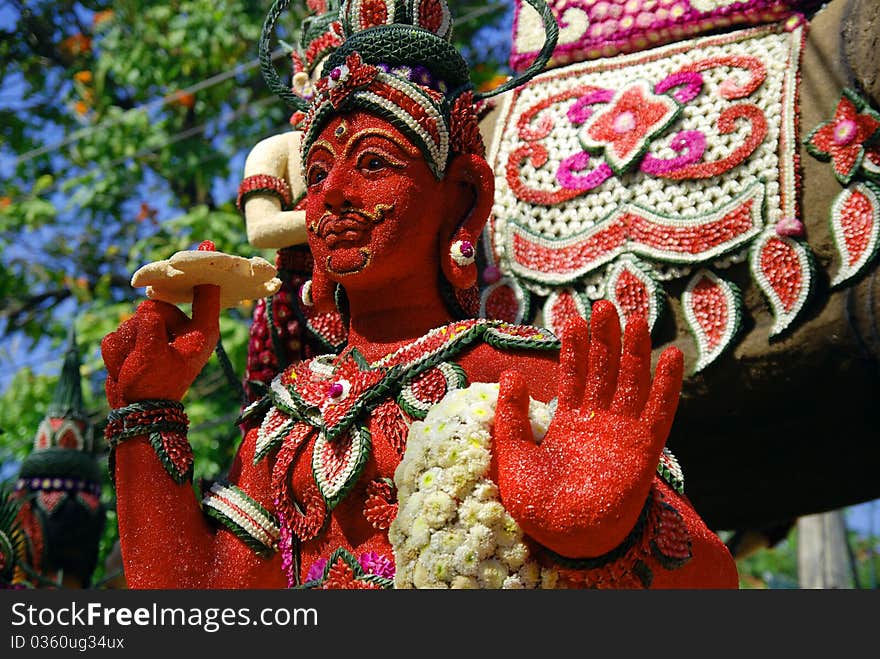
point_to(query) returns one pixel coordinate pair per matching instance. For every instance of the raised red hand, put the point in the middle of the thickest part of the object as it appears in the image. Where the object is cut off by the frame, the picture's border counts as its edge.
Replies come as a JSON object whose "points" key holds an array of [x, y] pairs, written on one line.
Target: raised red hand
{"points": [[580, 491], [158, 352]]}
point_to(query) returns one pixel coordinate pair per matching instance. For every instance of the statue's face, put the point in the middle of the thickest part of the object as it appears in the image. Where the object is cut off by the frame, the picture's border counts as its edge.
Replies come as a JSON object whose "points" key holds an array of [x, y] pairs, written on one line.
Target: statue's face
{"points": [[374, 209]]}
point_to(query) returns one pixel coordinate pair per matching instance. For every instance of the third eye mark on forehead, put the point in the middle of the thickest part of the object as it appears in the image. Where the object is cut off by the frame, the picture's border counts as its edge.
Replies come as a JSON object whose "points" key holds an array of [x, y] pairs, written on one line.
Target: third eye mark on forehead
{"points": [[352, 141], [358, 137]]}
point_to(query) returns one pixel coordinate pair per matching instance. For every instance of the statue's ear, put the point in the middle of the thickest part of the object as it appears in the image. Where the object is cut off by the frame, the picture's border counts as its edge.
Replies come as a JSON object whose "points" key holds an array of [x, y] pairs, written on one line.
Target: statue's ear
{"points": [[470, 193], [470, 189]]}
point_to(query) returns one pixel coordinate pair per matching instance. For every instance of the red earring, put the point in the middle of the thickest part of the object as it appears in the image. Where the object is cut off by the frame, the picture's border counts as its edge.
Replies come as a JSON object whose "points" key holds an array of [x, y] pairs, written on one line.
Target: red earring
{"points": [[458, 262]]}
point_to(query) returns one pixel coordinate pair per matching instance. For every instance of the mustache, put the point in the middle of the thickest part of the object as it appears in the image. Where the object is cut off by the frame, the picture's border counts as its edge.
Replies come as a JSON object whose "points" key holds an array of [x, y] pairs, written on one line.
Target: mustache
{"points": [[350, 219]]}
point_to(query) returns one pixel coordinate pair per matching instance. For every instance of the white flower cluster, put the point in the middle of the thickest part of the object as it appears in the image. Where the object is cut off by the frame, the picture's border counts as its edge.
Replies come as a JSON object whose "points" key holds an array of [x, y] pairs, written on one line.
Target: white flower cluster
{"points": [[451, 530]]}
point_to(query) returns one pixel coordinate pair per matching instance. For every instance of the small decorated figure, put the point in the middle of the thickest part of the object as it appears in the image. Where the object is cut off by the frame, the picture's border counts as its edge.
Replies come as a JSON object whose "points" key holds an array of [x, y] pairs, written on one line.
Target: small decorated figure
{"points": [[58, 491], [435, 450]]}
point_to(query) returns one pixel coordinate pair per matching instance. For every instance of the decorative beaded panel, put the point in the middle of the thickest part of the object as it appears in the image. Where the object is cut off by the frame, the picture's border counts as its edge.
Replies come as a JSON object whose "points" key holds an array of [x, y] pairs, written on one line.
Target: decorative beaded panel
{"points": [[590, 29], [616, 176]]}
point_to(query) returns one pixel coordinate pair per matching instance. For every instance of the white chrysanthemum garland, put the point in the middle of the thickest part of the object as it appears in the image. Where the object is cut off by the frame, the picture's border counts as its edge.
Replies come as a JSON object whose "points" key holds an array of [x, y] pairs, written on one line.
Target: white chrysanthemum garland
{"points": [[451, 530]]}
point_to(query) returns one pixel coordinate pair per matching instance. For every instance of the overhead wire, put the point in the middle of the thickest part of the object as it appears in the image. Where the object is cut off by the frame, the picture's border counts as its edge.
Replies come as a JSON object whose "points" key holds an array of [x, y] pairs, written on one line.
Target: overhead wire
{"points": [[78, 135], [171, 97], [173, 139]]}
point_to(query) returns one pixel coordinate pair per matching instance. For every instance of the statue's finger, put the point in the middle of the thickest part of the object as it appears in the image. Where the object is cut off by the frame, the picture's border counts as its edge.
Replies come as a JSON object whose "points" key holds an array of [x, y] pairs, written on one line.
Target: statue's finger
{"points": [[659, 412], [634, 378], [116, 346], [512, 426], [604, 356], [173, 318], [573, 360], [203, 331], [152, 339]]}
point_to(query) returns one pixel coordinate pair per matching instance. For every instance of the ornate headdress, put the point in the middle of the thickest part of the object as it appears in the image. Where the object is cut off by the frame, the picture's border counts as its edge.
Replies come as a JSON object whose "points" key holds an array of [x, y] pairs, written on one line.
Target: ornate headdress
{"points": [[396, 60]]}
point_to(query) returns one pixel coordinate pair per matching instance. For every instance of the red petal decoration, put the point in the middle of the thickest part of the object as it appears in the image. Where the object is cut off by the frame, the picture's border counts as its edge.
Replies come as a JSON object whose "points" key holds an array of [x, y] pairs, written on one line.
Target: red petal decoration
{"points": [[672, 543], [45, 433], [391, 424], [561, 306], [855, 225], [329, 328], [68, 440], [370, 13], [871, 163], [505, 300], [49, 500], [633, 288], [432, 15], [89, 500], [179, 452], [273, 426], [784, 271], [712, 307], [337, 465]]}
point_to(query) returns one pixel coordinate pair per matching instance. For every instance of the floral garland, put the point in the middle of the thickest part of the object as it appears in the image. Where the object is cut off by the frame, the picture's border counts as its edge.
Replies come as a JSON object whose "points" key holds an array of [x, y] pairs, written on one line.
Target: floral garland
{"points": [[451, 530]]}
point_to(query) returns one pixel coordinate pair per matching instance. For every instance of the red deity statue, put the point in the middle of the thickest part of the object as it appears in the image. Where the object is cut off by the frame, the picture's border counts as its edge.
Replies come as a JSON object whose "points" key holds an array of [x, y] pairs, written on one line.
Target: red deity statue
{"points": [[435, 450]]}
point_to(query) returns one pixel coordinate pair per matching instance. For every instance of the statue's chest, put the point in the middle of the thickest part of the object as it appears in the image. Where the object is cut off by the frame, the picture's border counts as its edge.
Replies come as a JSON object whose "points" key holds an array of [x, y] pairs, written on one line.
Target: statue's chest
{"points": [[335, 424], [335, 429]]}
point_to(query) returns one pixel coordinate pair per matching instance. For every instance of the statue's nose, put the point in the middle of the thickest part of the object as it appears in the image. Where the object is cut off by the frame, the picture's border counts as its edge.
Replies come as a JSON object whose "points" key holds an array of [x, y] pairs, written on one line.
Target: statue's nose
{"points": [[334, 199]]}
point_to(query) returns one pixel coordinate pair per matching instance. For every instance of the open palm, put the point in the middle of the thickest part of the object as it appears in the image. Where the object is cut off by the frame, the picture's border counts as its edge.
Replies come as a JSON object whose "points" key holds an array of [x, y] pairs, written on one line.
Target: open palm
{"points": [[580, 490]]}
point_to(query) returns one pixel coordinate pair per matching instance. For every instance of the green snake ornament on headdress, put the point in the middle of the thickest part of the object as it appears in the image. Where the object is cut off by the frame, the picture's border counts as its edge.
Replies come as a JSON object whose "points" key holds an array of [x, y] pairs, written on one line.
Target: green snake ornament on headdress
{"points": [[396, 61]]}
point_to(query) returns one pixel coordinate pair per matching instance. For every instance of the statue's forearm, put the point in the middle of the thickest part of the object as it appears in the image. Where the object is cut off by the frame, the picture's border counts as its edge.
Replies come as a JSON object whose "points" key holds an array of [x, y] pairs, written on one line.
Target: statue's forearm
{"points": [[166, 540]]}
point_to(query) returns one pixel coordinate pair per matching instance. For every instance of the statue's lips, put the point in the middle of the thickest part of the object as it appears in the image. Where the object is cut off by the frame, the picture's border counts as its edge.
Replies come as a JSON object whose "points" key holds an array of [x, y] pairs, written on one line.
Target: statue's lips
{"points": [[349, 230]]}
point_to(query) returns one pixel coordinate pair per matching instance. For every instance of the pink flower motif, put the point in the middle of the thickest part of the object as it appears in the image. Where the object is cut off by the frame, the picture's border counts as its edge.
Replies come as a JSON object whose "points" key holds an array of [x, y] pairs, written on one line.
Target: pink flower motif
{"points": [[316, 571], [376, 564], [790, 227], [624, 128], [843, 139], [353, 384]]}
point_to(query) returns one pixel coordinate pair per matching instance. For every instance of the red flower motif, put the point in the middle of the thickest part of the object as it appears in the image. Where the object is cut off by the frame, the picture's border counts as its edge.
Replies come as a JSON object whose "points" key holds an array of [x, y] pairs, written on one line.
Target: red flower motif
{"points": [[380, 509], [353, 383], [346, 78], [623, 129], [342, 577], [842, 140], [309, 385]]}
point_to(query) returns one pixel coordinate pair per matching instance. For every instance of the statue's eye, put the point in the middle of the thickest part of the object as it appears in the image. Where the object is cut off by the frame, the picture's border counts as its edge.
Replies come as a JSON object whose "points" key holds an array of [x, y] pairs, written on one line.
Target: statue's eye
{"points": [[372, 163], [316, 175]]}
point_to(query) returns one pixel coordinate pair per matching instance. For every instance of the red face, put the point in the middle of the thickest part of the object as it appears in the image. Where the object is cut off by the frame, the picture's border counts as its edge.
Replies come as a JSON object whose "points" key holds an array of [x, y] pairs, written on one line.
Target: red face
{"points": [[374, 210]]}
